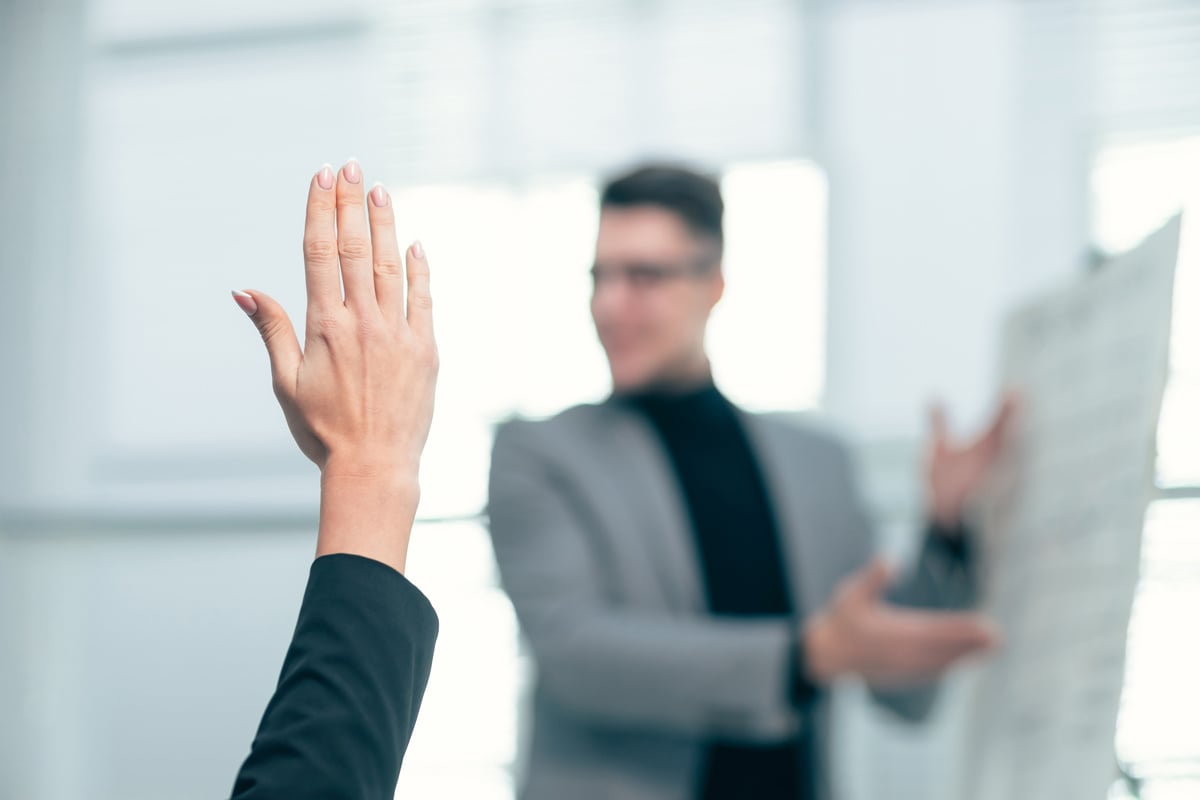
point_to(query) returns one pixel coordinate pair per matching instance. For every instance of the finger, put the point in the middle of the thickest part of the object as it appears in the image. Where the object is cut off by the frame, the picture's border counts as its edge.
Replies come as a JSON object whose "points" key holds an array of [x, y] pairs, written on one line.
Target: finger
{"points": [[1004, 417], [907, 664], [929, 661], [871, 581], [940, 632], [389, 271], [919, 666], [1012, 401], [937, 424], [320, 243], [928, 656], [420, 301], [283, 348], [993, 438], [353, 242]]}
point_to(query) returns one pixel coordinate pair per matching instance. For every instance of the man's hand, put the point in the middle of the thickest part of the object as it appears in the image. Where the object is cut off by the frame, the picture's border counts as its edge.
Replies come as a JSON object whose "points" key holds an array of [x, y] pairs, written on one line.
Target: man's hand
{"points": [[957, 470], [358, 398], [861, 634]]}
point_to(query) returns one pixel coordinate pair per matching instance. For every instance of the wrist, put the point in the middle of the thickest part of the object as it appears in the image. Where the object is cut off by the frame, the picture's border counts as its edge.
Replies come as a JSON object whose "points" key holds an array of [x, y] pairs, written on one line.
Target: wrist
{"points": [[946, 518], [822, 657], [376, 492], [367, 509], [367, 465]]}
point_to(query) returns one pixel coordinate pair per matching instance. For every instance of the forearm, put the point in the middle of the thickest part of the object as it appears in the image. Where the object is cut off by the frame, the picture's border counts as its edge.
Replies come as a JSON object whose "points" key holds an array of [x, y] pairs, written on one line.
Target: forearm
{"points": [[698, 677], [367, 509], [349, 690], [806, 679], [694, 675], [943, 577]]}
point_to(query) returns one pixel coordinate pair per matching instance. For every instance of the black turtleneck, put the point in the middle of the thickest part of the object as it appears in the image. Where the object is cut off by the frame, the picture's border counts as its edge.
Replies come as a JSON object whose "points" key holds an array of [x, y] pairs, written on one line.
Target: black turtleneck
{"points": [[737, 541]]}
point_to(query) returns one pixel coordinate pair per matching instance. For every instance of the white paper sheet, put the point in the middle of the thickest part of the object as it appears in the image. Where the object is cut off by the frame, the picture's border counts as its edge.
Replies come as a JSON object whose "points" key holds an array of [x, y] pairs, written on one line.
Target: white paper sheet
{"points": [[1062, 528]]}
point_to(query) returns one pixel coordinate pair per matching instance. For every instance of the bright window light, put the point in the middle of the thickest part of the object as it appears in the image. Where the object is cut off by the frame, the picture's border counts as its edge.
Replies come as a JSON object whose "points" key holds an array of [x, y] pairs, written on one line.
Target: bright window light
{"points": [[1135, 188], [767, 339]]}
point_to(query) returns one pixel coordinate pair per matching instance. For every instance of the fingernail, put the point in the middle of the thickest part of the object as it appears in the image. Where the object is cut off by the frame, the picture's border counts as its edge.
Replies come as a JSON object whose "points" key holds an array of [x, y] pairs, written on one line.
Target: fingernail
{"points": [[352, 171], [379, 195], [417, 250], [325, 177], [245, 302]]}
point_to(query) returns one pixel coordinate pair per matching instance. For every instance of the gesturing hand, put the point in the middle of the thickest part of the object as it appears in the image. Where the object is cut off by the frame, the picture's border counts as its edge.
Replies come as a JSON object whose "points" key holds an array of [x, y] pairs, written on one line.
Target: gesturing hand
{"points": [[956, 470], [861, 634], [358, 398]]}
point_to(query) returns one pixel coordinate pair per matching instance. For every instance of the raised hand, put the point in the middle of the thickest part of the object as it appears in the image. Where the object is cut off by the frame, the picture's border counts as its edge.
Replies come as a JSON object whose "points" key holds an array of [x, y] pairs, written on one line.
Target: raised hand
{"points": [[358, 398], [957, 470]]}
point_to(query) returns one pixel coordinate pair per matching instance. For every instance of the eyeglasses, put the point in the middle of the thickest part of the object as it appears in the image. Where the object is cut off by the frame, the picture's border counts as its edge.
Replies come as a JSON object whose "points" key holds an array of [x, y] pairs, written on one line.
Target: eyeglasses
{"points": [[646, 276]]}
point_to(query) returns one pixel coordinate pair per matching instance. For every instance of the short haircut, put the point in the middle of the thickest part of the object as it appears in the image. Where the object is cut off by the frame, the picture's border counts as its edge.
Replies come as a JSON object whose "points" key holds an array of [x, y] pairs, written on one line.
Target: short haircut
{"points": [[692, 196]]}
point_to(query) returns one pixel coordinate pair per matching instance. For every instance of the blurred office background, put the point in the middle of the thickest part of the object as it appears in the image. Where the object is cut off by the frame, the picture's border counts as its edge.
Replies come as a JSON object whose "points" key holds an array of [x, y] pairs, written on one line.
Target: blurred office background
{"points": [[898, 174]]}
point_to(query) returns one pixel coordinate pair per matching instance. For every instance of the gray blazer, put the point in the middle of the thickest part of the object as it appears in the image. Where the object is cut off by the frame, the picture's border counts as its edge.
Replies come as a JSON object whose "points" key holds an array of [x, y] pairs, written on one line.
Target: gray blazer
{"points": [[633, 675]]}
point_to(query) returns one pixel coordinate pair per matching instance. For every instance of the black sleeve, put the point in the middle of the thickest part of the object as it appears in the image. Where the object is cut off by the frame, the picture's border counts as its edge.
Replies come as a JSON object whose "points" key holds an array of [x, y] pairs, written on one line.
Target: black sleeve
{"points": [[350, 688], [803, 689], [952, 543], [945, 573], [944, 577]]}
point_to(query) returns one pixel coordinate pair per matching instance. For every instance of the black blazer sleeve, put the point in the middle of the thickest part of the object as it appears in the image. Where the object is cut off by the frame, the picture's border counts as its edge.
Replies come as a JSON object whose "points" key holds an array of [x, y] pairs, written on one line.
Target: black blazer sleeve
{"points": [[350, 688]]}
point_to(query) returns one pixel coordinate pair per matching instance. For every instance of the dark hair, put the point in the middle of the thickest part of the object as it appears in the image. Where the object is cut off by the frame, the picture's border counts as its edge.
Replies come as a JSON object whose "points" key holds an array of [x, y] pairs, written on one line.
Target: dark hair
{"points": [[693, 196]]}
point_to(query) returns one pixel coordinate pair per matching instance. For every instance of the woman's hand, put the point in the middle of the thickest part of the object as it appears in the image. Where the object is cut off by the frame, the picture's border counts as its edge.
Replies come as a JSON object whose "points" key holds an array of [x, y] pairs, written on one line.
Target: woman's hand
{"points": [[358, 398]]}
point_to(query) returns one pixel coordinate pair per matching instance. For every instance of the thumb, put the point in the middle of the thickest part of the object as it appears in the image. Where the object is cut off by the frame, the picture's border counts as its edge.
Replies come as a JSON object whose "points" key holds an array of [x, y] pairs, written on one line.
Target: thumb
{"points": [[283, 348], [937, 423], [874, 578], [1009, 408]]}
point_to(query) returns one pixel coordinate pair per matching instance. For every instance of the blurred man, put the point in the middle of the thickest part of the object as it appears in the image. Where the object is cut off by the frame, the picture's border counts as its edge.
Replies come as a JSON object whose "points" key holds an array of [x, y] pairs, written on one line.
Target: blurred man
{"points": [[691, 577]]}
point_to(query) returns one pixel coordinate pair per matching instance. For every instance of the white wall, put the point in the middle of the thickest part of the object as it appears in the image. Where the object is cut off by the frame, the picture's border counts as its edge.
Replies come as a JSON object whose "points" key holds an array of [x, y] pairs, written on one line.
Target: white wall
{"points": [[143, 655], [958, 184], [155, 520]]}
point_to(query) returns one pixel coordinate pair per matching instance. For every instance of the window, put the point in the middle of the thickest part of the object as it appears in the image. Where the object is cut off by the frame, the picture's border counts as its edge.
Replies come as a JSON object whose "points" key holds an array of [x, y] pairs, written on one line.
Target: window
{"points": [[511, 284], [1134, 189]]}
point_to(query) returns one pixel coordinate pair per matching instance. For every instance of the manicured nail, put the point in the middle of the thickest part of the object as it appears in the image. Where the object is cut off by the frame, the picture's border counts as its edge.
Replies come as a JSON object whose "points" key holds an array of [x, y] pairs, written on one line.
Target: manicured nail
{"points": [[325, 177], [379, 195], [245, 302], [352, 171], [417, 250]]}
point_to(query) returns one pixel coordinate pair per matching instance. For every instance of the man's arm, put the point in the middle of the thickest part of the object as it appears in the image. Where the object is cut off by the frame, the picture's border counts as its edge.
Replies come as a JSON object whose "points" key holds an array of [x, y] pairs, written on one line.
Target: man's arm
{"points": [[899, 633], [945, 574], [694, 675], [943, 577], [358, 399]]}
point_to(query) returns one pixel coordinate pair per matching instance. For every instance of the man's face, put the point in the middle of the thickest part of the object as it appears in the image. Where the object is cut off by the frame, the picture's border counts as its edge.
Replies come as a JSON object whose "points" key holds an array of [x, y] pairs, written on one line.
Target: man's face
{"points": [[655, 284]]}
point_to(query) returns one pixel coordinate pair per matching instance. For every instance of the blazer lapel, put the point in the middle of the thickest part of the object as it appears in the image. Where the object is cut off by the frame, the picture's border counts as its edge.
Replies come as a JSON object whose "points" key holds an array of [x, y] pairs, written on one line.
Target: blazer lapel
{"points": [[648, 490], [797, 509]]}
